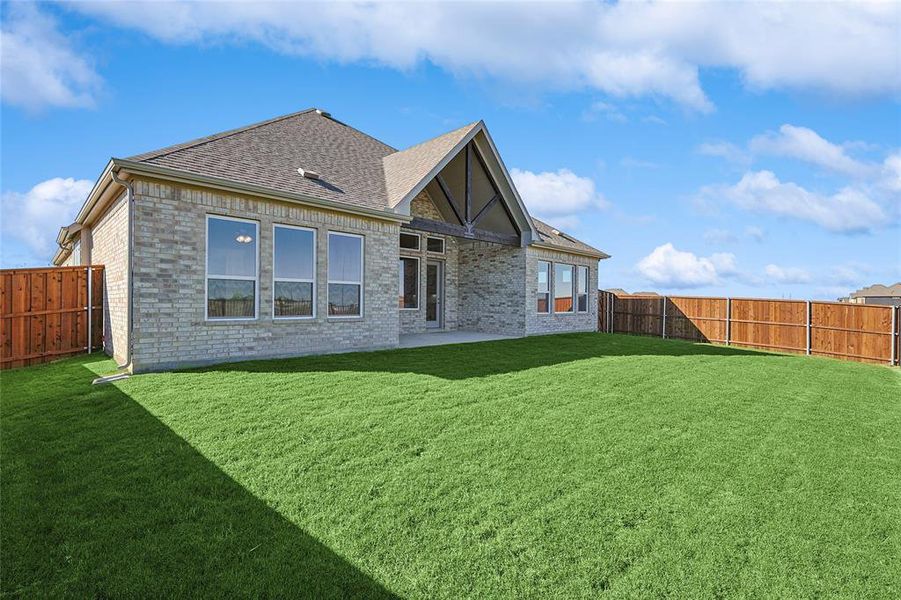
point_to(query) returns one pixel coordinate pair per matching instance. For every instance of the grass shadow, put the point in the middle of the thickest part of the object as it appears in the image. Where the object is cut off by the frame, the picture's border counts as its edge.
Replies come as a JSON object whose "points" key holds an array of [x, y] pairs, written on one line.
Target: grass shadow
{"points": [[480, 359], [100, 499]]}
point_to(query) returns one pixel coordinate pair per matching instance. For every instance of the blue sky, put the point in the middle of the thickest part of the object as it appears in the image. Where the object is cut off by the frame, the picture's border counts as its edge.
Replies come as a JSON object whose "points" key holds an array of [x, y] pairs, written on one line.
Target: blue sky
{"points": [[711, 149]]}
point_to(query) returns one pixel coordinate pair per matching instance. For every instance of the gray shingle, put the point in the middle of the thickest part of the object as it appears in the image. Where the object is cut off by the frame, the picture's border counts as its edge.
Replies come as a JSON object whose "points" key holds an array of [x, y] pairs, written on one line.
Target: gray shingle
{"points": [[554, 237]]}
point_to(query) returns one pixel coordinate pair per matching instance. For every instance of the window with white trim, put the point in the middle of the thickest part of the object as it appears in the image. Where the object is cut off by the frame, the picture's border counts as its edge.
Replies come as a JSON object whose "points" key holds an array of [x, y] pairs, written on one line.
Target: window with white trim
{"points": [[563, 288], [409, 241], [345, 275], [408, 292], [434, 245], [232, 257], [544, 287], [293, 272], [582, 289]]}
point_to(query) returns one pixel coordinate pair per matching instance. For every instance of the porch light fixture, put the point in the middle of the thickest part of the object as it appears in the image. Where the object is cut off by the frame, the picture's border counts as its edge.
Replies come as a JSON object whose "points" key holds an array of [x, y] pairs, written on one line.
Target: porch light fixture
{"points": [[243, 239]]}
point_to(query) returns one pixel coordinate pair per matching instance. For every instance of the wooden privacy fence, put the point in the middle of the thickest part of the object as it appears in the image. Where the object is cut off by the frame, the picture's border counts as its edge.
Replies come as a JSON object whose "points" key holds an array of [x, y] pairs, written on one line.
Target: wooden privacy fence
{"points": [[49, 313], [861, 332]]}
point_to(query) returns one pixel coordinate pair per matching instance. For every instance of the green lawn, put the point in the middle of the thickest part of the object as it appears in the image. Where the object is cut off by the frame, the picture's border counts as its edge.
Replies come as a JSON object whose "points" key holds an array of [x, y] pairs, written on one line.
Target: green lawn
{"points": [[563, 466]]}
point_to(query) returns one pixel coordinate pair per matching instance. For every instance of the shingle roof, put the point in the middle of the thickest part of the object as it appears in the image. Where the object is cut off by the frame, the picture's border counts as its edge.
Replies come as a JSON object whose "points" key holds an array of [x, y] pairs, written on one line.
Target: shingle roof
{"points": [[405, 169], [554, 237], [878, 290], [268, 154], [354, 168]]}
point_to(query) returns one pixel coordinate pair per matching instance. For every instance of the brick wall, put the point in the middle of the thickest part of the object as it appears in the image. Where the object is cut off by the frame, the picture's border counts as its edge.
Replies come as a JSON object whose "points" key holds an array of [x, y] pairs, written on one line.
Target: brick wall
{"points": [[559, 322], [492, 288], [170, 251], [109, 247]]}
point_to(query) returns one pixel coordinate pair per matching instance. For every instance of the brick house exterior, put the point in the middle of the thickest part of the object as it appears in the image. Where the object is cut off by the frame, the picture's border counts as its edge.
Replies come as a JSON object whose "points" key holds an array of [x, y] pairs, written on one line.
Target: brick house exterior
{"points": [[474, 254]]}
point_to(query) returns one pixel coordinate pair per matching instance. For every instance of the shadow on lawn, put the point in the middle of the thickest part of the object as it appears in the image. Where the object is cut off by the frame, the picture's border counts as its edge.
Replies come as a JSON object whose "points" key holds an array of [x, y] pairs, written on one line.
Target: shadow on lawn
{"points": [[464, 361], [103, 500]]}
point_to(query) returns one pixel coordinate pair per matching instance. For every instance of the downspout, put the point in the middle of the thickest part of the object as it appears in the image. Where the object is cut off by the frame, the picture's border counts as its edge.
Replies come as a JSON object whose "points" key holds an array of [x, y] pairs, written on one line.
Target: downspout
{"points": [[130, 198]]}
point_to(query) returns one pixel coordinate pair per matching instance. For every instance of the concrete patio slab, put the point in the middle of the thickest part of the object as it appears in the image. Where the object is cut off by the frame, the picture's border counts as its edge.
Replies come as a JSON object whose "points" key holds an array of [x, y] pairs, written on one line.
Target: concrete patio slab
{"points": [[440, 338]]}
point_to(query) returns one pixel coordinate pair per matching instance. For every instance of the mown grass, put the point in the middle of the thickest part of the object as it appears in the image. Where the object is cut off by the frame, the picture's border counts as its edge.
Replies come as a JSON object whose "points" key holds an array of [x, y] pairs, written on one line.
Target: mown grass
{"points": [[563, 466]]}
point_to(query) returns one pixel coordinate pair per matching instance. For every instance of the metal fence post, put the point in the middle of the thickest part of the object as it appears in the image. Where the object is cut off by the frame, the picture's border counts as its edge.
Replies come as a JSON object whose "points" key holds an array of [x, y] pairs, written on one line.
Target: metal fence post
{"points": [[663, 327], [90, 309], [808, 327], [612, 312], [728, 321]]}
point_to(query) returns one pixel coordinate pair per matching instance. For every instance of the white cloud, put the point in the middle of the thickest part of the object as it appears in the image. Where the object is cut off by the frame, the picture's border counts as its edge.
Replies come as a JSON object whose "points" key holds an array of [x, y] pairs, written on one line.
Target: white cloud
{"points": [[557, 197], [719, 237], [787, 275], [725, 150], [623, 50], [807, 145], [605, 109], [40, 68], [670, 267], [34, 218], [653, 120], [755, 233], [848, 210], [636, 163]]}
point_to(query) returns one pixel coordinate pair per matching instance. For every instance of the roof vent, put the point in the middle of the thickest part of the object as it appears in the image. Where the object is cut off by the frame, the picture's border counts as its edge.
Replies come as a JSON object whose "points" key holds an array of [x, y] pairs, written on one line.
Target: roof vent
{"points": [[308, 174], [555, 232], [324, 113]]}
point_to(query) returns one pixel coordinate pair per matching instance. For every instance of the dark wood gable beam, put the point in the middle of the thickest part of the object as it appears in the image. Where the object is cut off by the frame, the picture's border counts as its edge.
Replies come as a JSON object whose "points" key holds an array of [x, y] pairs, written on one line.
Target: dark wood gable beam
{"points": [[460, 231], [449, 197], [497, 192], [486, 208], [469, 185]]}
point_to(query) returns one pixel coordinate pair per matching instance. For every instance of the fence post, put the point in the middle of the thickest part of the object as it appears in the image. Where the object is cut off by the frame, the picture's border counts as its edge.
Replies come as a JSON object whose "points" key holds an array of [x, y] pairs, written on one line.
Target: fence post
{"points": [[728, 321], [808, 327], [612, 312], [663, 327], [892, 337], [90, 310]]}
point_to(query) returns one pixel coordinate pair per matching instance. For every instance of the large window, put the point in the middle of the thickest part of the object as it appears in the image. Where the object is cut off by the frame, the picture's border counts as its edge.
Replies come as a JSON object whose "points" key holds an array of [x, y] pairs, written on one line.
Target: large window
{"points": [[345, 275], [408, 293], [563, 288], [294, 272], [544, 287], [582, 289], [231, 268]]}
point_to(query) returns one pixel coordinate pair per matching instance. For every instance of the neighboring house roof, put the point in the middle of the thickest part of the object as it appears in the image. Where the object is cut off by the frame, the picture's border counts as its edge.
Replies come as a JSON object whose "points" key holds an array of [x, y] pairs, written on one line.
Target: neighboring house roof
{"points": [[558, 239], [355, 171], [879, 290]]}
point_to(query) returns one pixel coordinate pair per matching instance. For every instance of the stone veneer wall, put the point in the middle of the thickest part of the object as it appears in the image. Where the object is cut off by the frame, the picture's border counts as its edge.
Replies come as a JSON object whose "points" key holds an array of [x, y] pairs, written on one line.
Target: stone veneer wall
{"points": [[559, 323], [492, 288], [109, 247], [413, 321], [170, 252]]}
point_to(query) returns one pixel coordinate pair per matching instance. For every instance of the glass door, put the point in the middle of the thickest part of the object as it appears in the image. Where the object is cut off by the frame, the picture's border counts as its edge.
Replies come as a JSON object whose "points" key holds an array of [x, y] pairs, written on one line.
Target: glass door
{"points": [[434, 294]]}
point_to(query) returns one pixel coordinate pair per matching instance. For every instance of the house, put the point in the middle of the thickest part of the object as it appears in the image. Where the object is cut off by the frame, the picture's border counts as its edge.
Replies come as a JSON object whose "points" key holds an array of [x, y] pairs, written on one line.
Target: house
{"points": [[302, 235], [888, 295]]}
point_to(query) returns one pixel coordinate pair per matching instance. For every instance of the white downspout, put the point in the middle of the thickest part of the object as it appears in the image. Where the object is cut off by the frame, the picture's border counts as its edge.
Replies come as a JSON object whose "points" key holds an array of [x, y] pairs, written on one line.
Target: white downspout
{"points": [[130, 198]]}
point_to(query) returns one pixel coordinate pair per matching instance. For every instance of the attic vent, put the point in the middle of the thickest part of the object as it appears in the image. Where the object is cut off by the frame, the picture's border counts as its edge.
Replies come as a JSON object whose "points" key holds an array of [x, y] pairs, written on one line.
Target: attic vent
{"points": [[308, 174], [319, 111]]}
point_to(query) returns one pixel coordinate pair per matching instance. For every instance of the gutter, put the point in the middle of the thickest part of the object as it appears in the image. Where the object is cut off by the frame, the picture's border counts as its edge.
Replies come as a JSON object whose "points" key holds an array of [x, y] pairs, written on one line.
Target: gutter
{"points": [[130, 198]]}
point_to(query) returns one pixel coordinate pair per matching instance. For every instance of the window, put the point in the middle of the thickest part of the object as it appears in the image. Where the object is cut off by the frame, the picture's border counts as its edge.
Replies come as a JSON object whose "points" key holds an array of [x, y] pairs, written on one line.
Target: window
{"points": [[582, 289], [544, 287], [231, 268], [293, 272], [408, 296], [345, 275], [435, 245], [409, 241], [563, 288], [76, 254]]}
